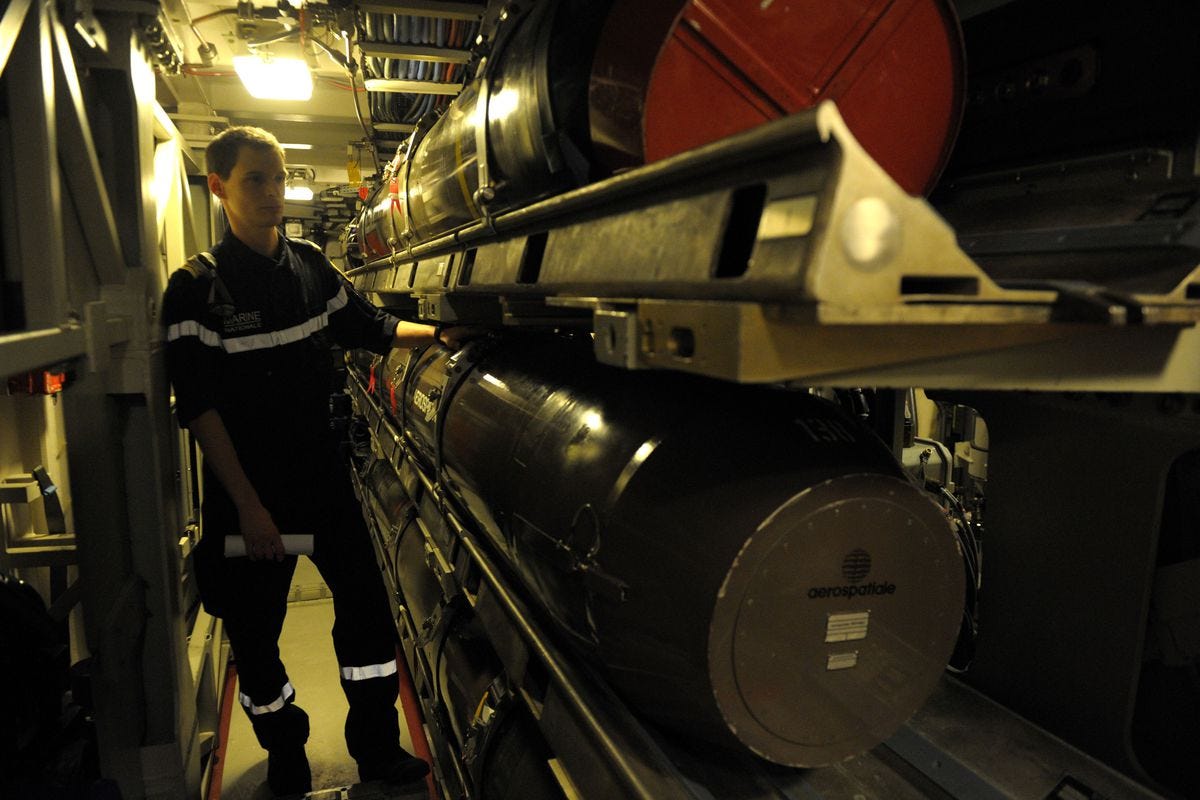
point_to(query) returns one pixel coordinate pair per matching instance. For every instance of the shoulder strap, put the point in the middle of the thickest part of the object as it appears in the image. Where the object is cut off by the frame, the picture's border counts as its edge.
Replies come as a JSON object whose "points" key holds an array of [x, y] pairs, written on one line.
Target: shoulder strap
{"points": [[201, 264], [220, 302], [309, 244]]}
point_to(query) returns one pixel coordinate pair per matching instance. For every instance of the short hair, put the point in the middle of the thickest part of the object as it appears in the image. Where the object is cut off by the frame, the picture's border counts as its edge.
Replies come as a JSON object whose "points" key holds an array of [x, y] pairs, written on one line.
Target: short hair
{"points": [[221, 155]]}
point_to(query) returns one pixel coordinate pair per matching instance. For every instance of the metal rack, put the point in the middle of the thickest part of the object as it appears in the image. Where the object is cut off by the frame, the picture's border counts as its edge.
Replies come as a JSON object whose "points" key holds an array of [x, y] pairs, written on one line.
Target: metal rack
{"points": [[961, 743], [414, 55], [803, 262], [836, 278]]}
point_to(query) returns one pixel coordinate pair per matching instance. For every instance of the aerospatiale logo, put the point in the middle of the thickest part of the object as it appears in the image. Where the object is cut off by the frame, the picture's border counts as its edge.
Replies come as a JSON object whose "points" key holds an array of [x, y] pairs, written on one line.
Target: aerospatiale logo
{"points": [[856, 566], [425, 404]]}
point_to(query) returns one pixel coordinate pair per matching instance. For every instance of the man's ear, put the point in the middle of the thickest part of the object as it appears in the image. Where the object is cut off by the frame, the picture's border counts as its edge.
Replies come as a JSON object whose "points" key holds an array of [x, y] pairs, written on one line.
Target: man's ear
{"points": [[215, 186]]}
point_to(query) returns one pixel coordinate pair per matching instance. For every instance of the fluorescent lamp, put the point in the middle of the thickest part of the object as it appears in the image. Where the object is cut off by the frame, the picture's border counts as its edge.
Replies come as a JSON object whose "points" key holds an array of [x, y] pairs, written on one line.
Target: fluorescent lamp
{"points": [[297, 192], [274, 78], [295, 146]]}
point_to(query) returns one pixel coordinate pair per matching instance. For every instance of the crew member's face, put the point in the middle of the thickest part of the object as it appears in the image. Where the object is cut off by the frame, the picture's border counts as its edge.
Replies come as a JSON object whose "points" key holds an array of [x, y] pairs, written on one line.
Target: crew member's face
{"points": [[253, 192]]}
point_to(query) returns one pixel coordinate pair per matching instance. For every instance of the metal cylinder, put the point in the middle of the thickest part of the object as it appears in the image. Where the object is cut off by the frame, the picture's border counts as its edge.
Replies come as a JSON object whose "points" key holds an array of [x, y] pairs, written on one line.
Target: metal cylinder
{"points": [[500, 747], [747, 563], [573, 90], [526, 108]]}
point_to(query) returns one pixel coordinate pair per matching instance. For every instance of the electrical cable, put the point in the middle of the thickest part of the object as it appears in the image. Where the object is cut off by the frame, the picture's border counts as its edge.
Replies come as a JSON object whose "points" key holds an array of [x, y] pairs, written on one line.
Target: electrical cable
{"points": [[968, 544], [334, 55], [911, 407], [944, 452], [352, 71], [967, 538], [192, 24], [291, 27], [201, 71], [220, 13]]}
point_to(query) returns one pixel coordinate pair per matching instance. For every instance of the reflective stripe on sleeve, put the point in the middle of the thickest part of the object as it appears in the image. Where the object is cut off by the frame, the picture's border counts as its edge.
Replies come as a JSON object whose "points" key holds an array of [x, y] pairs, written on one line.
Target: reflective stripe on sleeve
{"points": [[259, 341], [369, 671], [285, 694], [192, 328], [338, 301]]}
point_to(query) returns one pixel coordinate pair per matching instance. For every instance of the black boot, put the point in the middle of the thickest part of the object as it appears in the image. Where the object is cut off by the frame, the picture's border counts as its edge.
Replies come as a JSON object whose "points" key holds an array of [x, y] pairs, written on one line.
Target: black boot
{"points": [[402, 768], [373, 733], [282, 734], [288, 772]]}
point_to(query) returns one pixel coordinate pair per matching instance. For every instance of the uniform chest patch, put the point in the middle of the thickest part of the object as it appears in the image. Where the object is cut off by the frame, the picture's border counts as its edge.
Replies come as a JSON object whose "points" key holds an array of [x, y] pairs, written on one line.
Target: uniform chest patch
{"points": [[243, 321]]}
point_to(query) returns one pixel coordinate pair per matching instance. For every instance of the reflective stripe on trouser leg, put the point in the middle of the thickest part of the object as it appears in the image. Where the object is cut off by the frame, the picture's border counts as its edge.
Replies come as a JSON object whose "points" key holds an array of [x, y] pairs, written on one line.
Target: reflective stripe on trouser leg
{"points": [[278, 723], [286, 695], [372, 722], [369, 671]]}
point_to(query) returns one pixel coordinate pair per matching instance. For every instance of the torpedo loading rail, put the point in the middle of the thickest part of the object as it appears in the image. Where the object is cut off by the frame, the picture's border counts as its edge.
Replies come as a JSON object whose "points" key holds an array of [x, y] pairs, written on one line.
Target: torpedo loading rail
{"points": [[787, 253]]}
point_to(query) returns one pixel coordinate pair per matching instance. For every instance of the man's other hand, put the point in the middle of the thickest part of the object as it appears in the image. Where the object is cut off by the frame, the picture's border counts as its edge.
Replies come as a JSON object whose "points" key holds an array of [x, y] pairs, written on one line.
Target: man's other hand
{"points": [[260, 534], [456, 336]]}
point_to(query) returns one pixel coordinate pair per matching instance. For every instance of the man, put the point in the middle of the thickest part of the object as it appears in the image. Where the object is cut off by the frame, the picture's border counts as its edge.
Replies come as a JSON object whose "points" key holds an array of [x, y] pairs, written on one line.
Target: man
{"points": [[248, 354]]}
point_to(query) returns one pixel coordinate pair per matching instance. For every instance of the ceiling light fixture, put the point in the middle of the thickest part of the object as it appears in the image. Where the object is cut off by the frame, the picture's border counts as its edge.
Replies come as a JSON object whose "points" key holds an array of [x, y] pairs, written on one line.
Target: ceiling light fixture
{"points": [[299, 182], [295, 146], [268, 78], [298, 190], [297, 193]]}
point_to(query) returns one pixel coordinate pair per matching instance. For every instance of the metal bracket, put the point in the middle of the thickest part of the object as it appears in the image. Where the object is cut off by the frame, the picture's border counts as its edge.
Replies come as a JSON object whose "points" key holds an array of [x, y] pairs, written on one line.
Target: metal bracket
{"points": [[95, 334], [616, 340], [53, 548], [481, 735]]}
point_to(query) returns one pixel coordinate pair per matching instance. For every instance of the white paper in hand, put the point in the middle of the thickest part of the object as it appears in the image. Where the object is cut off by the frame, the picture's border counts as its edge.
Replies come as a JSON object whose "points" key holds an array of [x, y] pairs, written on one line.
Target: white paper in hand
{"points": [[293, 543]]}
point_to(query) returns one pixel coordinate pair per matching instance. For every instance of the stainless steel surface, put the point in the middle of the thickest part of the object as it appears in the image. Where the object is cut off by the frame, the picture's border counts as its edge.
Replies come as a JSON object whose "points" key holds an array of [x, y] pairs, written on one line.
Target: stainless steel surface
{"points": [[447, 8], [827, 697], [417, 87], [435, 54], [997, 753], [39, 230], [10, 24], [809, 307], [588, 485], [27, 350], [81, 167]]}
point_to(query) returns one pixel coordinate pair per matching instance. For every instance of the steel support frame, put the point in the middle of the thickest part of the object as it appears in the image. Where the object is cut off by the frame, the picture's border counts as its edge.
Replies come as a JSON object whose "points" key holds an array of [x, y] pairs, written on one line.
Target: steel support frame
{"points": [[81, 167], [30, 80], [803, 297], [121, 449], [431, 8]]}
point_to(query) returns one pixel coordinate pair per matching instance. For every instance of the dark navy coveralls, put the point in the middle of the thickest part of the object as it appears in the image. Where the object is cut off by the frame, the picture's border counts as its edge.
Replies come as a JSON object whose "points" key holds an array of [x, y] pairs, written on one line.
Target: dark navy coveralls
{"points": [[259, 354]]}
